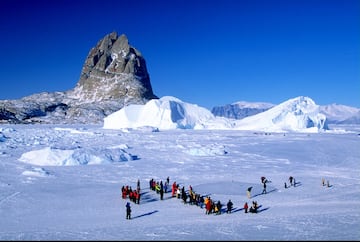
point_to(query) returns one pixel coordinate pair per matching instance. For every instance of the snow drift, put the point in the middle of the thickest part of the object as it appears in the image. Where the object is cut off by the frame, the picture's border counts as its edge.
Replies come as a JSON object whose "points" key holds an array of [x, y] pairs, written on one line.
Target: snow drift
{"points": [[55, 156], [299, 114]]}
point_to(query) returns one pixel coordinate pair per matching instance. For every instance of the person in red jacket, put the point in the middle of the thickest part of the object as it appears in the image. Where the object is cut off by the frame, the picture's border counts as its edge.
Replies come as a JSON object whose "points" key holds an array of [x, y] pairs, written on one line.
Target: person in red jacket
{"points": [[174, 188], [246, 206]]}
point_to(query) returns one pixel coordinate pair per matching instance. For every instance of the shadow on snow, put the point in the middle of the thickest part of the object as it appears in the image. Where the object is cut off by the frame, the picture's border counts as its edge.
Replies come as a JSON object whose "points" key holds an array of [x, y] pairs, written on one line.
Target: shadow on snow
{"points": [[145, 214], [273, 190]]}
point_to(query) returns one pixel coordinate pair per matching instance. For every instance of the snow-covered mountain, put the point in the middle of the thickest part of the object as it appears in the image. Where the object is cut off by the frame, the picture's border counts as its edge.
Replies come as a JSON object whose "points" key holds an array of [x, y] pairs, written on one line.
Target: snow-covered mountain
{"points": [[341, 114], [114, 76], [335, 113], [299, 114], [296, 114]]}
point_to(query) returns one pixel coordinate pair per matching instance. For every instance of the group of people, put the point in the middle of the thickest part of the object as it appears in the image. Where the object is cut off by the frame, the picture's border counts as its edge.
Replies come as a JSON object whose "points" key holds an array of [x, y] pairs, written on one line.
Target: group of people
{"points": [[134, 195], [211, 206], [193, 198], [323, 182], [292, 182], [159, 187]]}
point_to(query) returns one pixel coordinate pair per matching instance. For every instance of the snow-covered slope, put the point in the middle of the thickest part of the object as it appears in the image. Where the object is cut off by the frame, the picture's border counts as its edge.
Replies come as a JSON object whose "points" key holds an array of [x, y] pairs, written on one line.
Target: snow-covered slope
{"points": [[298, 114], [337, 113]]}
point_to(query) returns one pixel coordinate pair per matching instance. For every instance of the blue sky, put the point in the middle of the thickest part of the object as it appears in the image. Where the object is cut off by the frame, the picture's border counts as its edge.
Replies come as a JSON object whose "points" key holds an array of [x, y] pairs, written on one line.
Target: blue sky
{"points": [[209, 53]]}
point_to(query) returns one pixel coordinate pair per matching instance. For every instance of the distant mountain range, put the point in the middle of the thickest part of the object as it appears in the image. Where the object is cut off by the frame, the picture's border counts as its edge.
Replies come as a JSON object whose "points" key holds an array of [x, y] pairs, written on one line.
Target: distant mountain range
{"points": [[115, 76], [335, 113]]}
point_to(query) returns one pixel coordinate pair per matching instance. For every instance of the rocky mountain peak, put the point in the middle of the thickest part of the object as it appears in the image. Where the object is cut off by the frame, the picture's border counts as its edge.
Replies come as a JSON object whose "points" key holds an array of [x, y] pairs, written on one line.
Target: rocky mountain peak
{"points": [[114, 75], [113, 70]]}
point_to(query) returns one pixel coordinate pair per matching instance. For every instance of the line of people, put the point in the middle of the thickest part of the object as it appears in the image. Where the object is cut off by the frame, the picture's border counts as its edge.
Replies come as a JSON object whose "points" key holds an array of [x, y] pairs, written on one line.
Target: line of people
{"points": [[193, 198]]}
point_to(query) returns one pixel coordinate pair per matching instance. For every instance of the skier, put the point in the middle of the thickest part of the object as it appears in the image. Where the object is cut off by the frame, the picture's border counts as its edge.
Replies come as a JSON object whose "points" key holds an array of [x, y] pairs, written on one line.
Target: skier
{"points": [[229, 206], [285, 185], [128, 211]]}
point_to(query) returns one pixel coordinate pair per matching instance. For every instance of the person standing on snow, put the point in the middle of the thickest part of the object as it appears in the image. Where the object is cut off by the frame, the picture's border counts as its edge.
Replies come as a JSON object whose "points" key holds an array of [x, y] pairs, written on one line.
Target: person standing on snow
{"points": [[161, 194], [128, 211], [229, 206], [248, 192], [246, 206], [264, 190], [291, 180]]}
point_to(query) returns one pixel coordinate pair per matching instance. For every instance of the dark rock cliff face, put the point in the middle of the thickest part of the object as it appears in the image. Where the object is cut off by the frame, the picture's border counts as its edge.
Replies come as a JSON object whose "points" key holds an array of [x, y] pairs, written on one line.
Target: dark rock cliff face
{"points": [[114, 75], [113, 70]]}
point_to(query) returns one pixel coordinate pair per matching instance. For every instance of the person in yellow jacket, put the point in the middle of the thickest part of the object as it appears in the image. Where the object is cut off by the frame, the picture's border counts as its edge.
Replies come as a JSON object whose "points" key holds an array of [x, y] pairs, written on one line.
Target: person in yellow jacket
{"points": [[248, 192]]}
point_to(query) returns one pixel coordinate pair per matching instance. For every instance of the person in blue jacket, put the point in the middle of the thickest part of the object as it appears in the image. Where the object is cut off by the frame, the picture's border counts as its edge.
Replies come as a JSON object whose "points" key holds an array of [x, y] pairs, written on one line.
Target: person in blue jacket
{"points": [[128, 211]]}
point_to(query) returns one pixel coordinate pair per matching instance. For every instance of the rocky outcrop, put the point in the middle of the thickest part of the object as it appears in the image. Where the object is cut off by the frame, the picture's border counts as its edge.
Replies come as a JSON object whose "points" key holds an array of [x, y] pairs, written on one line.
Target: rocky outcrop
{"points": [[114, 75], [113, 70]]}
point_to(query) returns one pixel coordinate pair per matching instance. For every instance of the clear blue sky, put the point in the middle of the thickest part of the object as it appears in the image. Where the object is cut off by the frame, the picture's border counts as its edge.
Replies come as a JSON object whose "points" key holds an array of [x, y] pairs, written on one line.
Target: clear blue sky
{"points": [[210, 53]]}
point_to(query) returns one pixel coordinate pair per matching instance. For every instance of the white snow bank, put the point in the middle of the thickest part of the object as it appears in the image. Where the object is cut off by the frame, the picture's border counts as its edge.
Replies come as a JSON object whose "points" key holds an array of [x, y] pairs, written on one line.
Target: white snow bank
{"points": [[299, 114], [37, 172], [213, 150], [73, 131], [51, 156], [165, 113]]}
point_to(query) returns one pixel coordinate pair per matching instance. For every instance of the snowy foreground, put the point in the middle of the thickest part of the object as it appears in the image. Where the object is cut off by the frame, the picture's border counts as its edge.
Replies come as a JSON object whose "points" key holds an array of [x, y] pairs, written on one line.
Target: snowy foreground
{"points": [[63, 183]]}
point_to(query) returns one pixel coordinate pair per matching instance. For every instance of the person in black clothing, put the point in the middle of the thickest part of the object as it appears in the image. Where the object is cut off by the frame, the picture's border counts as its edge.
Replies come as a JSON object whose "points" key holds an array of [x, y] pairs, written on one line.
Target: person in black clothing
{"points": [[291, 180], [264, 190], [254, 207], [128, 211], [183, 195], [218, 207], [161, 194], [229, 206]]}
